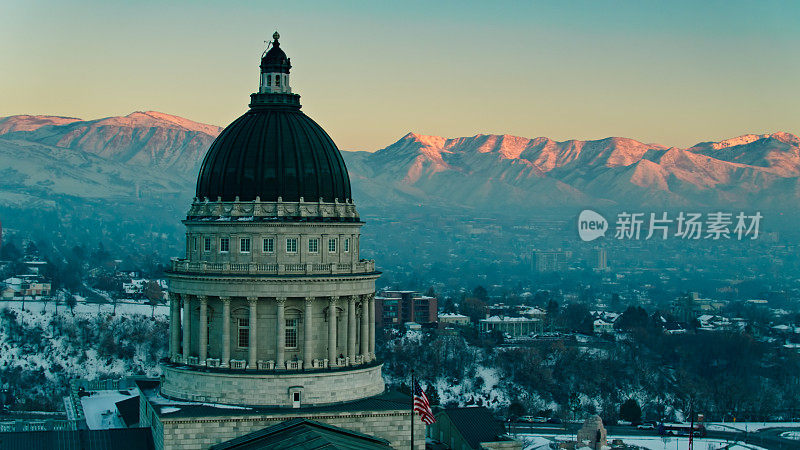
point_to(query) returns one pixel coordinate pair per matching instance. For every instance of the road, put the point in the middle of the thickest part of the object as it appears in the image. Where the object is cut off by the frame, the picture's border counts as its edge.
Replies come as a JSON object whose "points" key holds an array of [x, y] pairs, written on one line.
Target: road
{"points": [[768, 438]]}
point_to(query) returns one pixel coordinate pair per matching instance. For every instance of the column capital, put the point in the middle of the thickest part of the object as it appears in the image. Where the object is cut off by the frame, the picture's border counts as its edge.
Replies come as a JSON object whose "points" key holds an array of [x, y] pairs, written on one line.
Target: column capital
{"points": [[280, 300], [333, 299], [201, 297], [310, 300], [225, 300], [252, 300], [352, 299], [174, 296]]}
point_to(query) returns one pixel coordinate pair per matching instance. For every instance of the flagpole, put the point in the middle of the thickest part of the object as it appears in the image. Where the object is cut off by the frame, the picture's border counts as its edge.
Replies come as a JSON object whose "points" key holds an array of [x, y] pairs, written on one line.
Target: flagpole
{"points": [[412, 409]]}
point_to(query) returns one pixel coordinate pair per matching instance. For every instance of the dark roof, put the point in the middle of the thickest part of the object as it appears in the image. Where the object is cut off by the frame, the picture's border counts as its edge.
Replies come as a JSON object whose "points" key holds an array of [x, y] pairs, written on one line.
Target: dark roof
{"points": [[272, 151], [388, 401], [129, 410], [303, 434], [476, 424], [114, 439]]}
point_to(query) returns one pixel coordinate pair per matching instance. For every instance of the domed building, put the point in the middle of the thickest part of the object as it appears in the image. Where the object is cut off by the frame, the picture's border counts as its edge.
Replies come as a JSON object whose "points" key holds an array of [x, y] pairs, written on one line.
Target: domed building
{"points": [[272, 308]]}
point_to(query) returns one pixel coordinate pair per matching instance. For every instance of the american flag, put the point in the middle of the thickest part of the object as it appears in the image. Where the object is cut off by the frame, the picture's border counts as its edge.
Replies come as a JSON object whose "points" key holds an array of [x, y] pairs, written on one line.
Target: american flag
{"points": [[422, 405]]}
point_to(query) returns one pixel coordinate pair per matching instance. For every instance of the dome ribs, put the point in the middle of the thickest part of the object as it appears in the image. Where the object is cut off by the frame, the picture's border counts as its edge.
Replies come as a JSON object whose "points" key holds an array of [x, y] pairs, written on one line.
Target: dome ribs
{"points": [[274, 151]]}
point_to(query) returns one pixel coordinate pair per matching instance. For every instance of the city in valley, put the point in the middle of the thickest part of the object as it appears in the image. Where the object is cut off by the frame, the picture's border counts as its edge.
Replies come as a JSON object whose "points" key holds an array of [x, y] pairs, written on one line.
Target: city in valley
{"points": [[265, 270]]}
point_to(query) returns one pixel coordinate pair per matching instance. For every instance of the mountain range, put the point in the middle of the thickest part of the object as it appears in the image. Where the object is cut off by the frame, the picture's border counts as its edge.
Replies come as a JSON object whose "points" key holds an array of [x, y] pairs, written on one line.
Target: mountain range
{"points": [[43, 157]]}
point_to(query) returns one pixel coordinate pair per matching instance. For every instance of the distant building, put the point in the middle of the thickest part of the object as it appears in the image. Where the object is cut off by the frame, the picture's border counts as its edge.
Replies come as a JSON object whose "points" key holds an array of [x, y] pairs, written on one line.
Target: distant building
{"points": [[453, 319], [550, 261], [600, 326], [394, 308], [469, 428], [512, 326], [25, 287], [599, 259]]}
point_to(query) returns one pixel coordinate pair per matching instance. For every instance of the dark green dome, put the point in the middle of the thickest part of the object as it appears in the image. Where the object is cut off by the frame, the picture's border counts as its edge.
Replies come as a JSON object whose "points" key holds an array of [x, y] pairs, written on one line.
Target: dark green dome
{"points": [[272, 151]]}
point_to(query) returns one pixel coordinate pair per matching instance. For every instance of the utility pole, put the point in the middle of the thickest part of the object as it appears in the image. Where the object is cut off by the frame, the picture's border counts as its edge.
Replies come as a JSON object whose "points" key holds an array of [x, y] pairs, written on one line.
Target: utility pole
{"points": [[691, 421]]}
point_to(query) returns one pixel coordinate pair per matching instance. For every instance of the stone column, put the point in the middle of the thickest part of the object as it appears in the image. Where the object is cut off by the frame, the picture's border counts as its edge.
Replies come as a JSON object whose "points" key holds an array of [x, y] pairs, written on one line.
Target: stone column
{"points": [[371, 318], [174, 326], [332, 331], [364, 327], [226, 331], [203, 351], [351, 328], [252, 360], [187, 328], [308, 329], [281, 332]]}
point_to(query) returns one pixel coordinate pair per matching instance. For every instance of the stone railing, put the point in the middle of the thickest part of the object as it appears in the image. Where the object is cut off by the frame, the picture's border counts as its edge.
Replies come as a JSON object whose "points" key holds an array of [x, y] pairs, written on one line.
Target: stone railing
{"points": [[206, 209], [186, 266], [261, 366]]}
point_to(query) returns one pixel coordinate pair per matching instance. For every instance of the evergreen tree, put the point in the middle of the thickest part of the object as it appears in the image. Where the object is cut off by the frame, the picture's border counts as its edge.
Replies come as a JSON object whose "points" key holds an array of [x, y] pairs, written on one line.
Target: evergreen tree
{"points": [[630, 411]]}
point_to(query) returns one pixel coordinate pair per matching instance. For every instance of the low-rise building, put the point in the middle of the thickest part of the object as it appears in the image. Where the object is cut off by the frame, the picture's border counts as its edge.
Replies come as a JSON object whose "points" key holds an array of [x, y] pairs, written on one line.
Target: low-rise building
{"points": [[453, 319], [600, 326], [25, 287], [511, 326], [470, 428]]}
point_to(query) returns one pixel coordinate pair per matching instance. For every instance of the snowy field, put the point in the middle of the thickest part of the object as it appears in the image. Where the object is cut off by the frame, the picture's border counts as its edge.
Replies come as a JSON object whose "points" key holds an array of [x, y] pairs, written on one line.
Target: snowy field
{"points": [[538, 442], [749, 426], [87, 309]]}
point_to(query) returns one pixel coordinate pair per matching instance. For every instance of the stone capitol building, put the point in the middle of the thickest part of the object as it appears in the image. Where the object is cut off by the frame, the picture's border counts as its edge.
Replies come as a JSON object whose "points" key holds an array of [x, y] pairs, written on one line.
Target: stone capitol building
{"points": [[272, 319]]}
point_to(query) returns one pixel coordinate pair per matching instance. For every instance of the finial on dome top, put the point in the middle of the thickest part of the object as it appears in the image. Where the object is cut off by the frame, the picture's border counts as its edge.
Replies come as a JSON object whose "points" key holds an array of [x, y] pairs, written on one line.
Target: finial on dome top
{"points": [[276, 36]]}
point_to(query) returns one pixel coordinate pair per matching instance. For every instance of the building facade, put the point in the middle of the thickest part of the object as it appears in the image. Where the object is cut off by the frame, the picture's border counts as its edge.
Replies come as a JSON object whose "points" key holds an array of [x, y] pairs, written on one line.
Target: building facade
{"points": [[272, 310], [398, 307]]}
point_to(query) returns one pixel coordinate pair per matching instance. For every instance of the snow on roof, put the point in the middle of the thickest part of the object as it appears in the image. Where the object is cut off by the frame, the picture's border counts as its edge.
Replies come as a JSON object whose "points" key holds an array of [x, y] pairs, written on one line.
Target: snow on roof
{"points": [[453, 315], [509, 319], [100, 409]]}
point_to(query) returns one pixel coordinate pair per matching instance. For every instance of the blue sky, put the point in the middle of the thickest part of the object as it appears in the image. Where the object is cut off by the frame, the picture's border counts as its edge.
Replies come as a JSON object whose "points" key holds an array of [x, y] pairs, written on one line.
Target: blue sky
{"points": [[669, 72]]}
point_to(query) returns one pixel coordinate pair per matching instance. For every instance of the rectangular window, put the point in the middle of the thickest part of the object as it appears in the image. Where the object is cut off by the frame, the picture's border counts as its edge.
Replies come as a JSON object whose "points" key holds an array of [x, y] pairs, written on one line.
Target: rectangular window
{"points": [[194, 244], [313, 245], [291, 245], [269, 245], [332, 245], [347, 245], [244, 245], [207, 244], [244, 333], [224, 245], [291, 333]]}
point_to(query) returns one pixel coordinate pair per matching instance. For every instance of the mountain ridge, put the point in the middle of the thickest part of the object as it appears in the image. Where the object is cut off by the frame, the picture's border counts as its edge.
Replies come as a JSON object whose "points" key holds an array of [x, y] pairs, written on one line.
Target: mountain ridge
{"points": [[484, 171]]}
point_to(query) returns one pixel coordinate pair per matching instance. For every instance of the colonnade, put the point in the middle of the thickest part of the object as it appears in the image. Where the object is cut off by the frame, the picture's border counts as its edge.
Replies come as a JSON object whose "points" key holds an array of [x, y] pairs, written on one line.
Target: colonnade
{"points": [[181, 351]]}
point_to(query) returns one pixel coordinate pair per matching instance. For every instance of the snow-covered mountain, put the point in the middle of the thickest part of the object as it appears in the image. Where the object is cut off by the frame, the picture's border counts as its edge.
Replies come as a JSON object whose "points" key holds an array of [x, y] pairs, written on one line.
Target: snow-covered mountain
{"points": [[87, 158], [150, 139], [500, 172]]}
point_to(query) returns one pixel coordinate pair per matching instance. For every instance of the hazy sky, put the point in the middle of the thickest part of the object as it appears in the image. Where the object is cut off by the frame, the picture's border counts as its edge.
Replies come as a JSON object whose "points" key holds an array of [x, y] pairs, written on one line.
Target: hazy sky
{"points": [[671, 72]]}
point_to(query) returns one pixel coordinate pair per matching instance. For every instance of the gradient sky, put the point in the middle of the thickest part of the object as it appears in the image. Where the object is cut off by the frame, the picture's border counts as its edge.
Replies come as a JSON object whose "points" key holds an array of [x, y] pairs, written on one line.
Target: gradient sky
{"points": [[672, 72]]}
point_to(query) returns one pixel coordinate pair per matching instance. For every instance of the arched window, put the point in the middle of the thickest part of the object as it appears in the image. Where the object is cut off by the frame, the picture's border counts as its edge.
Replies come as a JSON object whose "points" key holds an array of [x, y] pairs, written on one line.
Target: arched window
{"points": [[277, 80]]}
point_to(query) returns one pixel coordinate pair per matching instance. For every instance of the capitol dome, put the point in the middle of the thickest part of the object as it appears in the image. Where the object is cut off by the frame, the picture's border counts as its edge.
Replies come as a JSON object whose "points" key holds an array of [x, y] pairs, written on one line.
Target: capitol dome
{"points": [[274, 151]]}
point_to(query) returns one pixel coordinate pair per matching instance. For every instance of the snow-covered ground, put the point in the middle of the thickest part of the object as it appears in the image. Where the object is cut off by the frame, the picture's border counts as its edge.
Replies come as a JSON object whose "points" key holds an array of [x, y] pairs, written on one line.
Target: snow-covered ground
{"points": [[542, 442], [87, 309], [40, 351], [749, 426]]}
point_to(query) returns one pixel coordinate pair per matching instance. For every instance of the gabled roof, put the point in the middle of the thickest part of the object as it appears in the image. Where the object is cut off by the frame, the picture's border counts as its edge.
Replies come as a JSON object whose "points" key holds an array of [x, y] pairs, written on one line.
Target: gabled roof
{"points": [[475, 424], [304, 434]]}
